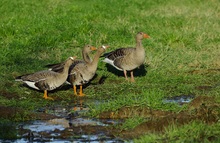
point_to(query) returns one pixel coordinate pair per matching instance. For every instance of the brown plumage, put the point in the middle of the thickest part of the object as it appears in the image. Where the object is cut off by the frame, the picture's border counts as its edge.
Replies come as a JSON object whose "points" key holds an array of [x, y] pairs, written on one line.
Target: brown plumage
{"points": [[82, 73], [128, 59], [47, 80]]}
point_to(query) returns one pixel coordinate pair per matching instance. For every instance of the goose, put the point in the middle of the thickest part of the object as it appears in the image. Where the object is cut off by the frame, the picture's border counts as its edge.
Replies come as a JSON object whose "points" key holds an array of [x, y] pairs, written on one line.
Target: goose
{"points": [[128, 59], [82, 73], [47, 80], [85, 54]]}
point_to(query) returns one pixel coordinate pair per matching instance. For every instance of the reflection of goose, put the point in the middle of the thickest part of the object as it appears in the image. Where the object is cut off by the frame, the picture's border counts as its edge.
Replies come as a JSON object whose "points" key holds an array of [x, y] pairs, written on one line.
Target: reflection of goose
{"points": [[82, 73], [62, 123], [85, 54], [47, 80], [128, 59]]}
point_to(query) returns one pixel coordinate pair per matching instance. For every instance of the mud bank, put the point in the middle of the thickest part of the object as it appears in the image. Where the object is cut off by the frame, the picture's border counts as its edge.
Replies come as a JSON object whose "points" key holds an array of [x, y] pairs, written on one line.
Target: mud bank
{"points": [[74, 127], [202, 108]]}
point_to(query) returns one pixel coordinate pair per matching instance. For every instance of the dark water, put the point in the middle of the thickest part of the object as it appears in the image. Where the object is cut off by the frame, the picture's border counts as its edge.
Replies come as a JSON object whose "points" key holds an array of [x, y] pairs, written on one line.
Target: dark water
{"points": [[58, 129]]}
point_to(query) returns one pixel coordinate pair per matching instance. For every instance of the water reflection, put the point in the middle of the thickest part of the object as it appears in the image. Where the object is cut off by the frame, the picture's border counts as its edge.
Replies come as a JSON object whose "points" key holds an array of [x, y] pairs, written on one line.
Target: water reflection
{"points": [[69, 126], [181, 99]]}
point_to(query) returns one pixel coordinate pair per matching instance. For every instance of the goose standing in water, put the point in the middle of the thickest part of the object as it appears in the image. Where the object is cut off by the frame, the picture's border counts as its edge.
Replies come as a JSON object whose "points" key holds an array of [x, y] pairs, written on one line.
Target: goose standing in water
{"points": [[128, 59], [47, 80]]}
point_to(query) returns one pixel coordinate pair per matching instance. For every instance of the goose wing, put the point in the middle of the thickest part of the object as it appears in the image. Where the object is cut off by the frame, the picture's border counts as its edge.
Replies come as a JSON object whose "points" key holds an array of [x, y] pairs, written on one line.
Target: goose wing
{"points": [[37, 80], [117, 57], [77, 73]]}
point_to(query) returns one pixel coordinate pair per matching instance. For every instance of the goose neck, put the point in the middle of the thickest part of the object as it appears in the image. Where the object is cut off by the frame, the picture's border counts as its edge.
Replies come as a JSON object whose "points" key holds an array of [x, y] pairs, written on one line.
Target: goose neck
{"points": [[139, 44], [86, 57], [96, 59]]}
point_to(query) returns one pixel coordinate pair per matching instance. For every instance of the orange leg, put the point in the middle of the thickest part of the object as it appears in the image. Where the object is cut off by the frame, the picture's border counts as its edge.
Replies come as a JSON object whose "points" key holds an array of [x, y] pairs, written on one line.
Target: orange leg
{"points": [[125, 73], [74, 89], [45, 95], [81, 91], [132, 77], [75, 107], [80, 107]]}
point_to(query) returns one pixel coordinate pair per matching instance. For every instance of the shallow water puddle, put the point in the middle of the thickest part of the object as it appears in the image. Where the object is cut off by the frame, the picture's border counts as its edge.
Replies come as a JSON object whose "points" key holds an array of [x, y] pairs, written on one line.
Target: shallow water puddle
{"points": [[181, 99], [46, 126], [69, 126], [54, 129]]}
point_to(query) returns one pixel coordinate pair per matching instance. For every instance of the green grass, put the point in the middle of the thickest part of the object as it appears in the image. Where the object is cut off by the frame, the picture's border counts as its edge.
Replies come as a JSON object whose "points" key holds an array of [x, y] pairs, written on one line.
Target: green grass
{"points": [[193, 132], [184, 37]]}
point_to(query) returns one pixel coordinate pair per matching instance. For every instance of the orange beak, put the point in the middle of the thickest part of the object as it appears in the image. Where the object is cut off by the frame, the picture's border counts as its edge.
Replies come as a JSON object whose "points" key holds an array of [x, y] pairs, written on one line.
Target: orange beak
{"points": [[146, 36], [93, 48]]}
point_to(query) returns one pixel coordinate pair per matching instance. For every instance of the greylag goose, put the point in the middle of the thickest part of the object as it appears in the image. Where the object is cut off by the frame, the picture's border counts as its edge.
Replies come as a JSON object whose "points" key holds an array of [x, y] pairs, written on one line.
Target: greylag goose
{"points": [[82, 73], [85, 53], [47, 80], [128, 59], [86, 58]]}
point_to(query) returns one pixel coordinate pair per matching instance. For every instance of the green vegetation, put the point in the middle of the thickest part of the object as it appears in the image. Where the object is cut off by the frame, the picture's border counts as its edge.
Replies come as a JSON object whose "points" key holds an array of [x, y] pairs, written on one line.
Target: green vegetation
{"points": [[182, 54], [7, 130], [193, 132]]}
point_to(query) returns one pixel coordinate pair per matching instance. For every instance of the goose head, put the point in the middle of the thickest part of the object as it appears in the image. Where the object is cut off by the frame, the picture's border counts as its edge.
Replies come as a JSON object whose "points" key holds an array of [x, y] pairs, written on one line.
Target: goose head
{"points": [[103, 48], [141, 35], [88, 48], [69, 61]]}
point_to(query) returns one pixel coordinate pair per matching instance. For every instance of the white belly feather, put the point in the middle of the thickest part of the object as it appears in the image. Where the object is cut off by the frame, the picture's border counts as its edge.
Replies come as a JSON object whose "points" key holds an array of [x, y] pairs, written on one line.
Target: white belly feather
{"points": [[31, 84], [111, 62]]}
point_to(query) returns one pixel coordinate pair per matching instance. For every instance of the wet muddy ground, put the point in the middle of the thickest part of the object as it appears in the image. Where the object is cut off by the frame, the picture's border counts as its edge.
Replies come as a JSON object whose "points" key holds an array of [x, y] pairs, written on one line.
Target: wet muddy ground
{"points": [[68, 124], [201, 109]]}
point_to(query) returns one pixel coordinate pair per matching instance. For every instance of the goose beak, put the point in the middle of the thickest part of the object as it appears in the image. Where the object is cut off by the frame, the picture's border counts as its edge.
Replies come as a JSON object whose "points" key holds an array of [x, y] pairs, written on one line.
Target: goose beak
{"points": [[146, 36], [105, 47], [73, 58], [93, 48]]}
